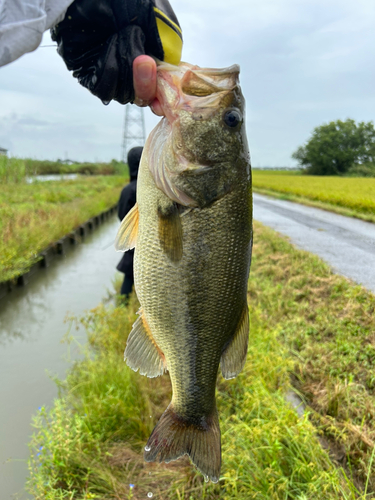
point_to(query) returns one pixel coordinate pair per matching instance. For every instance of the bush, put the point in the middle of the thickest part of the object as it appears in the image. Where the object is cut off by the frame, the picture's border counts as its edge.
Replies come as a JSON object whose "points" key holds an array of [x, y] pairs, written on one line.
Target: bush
{"points": [[365, 170]]}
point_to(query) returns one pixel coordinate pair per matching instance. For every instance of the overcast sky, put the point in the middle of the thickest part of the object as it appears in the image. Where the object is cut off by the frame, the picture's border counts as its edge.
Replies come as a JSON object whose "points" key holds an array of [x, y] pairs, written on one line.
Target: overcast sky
{"points": [[302, 64]]}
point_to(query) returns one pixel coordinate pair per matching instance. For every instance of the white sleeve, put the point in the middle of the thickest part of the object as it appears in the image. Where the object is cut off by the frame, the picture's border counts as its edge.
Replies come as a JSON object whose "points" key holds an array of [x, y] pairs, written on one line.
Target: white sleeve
{"points": [[23, 22]]}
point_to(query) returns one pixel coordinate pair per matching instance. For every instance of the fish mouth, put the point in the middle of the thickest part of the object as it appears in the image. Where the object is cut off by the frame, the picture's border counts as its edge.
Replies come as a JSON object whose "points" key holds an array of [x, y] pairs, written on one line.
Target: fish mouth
{"points": [[183, 67], [188, 86]]}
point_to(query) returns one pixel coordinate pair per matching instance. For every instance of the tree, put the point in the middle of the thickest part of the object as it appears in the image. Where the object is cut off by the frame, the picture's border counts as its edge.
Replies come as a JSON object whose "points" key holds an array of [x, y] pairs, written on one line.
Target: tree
{"points": [[336, 147]]}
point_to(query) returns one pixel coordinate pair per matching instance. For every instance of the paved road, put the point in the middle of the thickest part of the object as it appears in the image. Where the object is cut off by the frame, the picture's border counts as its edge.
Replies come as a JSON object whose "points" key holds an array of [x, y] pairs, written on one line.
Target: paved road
{"points": [[346, 244]]}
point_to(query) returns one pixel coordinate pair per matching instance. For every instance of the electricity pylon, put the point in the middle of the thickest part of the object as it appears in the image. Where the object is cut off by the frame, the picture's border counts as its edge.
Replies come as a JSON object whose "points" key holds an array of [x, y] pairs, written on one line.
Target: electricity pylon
{"points": [[134, 129]]}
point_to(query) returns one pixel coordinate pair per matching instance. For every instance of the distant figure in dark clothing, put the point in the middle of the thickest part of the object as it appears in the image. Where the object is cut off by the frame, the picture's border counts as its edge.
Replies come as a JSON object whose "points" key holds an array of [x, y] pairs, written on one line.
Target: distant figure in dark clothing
{"points": [[126, 203]]}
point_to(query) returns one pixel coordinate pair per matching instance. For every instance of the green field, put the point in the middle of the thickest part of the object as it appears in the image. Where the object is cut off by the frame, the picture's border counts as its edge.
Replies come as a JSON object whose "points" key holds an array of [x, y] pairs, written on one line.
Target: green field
{"points": [[309, 327], [352, 196], [34, 215]]}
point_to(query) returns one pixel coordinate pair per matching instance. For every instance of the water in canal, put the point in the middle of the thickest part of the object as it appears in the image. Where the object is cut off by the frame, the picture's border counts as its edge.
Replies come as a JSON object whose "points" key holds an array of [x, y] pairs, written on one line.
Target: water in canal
{"points": [[51, 177], [31, 328]]}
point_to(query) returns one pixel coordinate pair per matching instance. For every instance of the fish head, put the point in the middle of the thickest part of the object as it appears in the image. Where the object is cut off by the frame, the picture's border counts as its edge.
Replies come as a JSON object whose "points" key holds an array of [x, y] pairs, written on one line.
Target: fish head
{"points": [[199, 150]]}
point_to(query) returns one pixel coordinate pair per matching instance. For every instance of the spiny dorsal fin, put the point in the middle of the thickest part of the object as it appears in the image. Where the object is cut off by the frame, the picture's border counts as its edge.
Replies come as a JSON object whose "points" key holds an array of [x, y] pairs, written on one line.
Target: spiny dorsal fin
{"points": [[127, 234], [170, 231], [234, 357], [142, 352]]}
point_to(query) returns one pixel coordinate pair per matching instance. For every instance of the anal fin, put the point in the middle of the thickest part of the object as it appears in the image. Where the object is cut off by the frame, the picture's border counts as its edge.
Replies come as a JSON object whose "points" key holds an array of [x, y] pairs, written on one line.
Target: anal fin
{"points": [[142, 353], [127, 234], [234, 356]]}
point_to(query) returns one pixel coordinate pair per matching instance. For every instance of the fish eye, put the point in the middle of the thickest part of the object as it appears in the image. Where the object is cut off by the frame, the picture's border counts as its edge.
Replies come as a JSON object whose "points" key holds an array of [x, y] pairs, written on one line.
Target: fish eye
{"points": [[232, 118]]}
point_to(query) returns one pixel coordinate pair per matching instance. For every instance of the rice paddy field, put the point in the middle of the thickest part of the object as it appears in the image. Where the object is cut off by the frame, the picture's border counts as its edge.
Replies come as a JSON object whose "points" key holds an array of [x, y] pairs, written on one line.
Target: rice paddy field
{"points": [[34, 215], [351, 196], [310, 329]]}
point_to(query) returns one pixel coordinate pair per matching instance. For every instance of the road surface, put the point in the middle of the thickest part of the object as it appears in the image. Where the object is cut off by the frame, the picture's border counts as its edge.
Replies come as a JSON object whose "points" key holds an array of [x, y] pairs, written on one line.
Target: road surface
{"points": [[345, 243]]}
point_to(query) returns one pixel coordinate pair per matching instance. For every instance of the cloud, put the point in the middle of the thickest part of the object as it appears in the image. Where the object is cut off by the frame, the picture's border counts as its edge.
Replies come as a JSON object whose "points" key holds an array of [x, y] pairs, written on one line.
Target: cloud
{"points": [[302, 64]]}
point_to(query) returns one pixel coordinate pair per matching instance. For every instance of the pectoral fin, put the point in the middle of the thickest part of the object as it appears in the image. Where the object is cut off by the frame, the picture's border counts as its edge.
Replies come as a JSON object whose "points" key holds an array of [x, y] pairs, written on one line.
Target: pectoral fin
{"points": [[127, 234], [142, 352], [170, 231], [234, 356]]}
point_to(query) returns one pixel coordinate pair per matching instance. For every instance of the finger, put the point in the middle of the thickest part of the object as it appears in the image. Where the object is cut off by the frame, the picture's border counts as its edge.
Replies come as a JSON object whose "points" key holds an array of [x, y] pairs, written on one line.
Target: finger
{"points": [[156, 108], [144, 80]]}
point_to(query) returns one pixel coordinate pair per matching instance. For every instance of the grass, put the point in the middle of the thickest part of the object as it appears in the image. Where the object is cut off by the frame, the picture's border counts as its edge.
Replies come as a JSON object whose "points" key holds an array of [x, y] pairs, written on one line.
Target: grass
{"points": [[34, 215], [15, 170], [328, 326], [90, 444], [308, 326], [12, 170], [44, 167], [352, 196]]}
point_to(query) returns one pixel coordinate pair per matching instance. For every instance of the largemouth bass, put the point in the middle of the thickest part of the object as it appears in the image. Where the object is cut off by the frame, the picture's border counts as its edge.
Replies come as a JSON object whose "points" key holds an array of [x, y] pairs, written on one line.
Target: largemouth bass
{"points": [[192, 233]]}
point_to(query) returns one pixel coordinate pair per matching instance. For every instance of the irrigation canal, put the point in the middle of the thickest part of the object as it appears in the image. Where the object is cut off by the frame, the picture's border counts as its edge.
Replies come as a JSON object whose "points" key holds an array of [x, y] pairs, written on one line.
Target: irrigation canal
{"points": [[31, 328], [345, 243]]}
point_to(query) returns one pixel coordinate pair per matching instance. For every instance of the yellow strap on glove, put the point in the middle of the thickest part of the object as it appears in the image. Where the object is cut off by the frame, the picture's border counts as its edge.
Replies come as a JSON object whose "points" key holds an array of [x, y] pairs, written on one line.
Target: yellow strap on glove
{"points": [[170, 33]]}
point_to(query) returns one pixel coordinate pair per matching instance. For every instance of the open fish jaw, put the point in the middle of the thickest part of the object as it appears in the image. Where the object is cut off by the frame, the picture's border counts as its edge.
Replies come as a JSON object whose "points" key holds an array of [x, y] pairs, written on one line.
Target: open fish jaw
{"points": [[192, 138]]}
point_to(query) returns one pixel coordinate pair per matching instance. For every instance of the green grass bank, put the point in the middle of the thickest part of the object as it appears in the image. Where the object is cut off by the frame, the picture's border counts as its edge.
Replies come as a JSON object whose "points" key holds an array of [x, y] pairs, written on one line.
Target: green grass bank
{"points": [[17, 169], [46, 167], [351, 196], [34, 215], [308, 326]]}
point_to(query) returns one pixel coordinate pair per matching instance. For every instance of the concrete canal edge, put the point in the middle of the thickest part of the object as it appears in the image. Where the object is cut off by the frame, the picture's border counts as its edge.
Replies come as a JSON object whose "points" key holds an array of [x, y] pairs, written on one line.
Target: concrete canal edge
{"points": [[55, 249]]}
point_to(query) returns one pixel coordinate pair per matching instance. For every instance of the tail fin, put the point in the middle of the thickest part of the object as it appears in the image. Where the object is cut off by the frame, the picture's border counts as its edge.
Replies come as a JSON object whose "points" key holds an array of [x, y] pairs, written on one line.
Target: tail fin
{"points": [[174, 437]]}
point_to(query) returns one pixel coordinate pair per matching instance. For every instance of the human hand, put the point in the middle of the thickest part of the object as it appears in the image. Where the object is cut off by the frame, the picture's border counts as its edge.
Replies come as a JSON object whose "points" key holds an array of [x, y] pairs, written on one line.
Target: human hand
{"points": [[108, 43]]}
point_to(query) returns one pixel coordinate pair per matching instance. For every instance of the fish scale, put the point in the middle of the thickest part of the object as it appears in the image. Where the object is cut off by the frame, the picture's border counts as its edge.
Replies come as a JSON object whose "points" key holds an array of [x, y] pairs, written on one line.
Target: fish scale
{"points": [[193, 227]]}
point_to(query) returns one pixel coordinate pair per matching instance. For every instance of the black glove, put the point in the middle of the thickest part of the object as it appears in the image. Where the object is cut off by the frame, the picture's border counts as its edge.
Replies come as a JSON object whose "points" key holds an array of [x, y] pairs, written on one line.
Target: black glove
{"points": [[99, 40]]}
